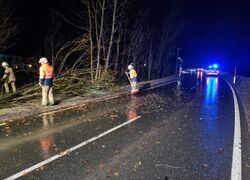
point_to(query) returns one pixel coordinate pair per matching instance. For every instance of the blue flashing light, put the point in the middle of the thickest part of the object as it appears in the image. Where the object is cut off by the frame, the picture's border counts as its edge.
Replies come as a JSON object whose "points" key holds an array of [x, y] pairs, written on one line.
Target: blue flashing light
{"points": [[216, 66], [213, 66]]}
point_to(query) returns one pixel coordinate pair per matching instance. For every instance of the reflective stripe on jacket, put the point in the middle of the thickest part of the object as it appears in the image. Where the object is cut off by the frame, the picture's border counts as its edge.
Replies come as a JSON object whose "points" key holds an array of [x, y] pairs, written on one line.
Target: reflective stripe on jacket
{"points": [[46, 74]]}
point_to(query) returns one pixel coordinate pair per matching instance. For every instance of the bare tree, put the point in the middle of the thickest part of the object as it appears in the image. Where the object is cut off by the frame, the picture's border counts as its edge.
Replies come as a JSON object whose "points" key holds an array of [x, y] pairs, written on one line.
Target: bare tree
{"points": [[91, 43], [137, 47], [100, 31], [118, 45], [70, 48], [111, 35], [109, 39], [54, 40], [150, 60], [9, 27]]}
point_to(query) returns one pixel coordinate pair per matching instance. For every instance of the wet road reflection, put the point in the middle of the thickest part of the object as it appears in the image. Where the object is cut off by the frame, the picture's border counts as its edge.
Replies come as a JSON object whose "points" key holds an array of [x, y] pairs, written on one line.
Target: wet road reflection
{"points": [[132, 107], [47, 141], [210, 106], [173, 132], [199, 76], [179, 91], [30, 141], [211, 90]]}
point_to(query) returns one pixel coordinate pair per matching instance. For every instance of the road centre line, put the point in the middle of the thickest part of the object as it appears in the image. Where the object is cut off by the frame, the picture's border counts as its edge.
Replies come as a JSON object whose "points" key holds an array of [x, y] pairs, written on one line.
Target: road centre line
{"points": [[49, 160], [236, 171]]}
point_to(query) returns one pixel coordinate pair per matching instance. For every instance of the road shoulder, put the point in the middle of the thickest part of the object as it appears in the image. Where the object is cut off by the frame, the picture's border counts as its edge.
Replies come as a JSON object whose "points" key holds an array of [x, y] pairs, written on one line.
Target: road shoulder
{"points": [[34, 108]]}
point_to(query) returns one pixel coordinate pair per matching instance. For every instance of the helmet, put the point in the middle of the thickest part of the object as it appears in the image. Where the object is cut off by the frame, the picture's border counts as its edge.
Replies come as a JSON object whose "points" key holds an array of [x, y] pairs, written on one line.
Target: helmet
{"points": [[4, 64], [130, 67], [43, 60]]}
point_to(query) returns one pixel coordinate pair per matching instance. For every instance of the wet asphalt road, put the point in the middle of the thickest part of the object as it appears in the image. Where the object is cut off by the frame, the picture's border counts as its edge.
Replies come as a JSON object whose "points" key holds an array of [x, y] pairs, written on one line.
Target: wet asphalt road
{"points": [[185, 132]]}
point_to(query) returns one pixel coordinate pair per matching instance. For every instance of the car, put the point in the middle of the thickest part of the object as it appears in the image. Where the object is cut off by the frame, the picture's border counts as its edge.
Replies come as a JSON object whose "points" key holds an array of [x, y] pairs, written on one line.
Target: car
{"points": [[213, 70]]}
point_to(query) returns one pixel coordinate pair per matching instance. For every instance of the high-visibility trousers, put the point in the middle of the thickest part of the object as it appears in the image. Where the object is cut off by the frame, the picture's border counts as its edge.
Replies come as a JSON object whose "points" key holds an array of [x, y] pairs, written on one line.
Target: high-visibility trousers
{"points": [[13, 86], [47, 95], [133, 86]]}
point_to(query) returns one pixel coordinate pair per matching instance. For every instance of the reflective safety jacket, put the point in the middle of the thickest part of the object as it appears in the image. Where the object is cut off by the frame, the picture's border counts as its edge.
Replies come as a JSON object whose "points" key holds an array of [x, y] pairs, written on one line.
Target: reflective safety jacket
{"points": [[9, 75], [133, 75], [46, 75]]}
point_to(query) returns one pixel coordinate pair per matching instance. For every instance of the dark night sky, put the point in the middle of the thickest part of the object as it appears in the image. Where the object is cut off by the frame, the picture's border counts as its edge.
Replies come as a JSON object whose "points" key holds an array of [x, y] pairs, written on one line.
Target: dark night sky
{"points": [[214, 30], [34, 19], [217, 31]]}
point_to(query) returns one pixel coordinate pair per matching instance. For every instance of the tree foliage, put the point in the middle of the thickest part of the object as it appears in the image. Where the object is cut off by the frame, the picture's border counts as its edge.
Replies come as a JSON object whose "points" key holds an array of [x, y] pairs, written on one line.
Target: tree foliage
{"points": [[110, 34]]}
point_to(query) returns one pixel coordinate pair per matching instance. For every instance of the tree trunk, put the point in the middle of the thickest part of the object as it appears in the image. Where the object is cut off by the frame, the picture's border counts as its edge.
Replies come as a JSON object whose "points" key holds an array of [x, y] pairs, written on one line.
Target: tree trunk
{"points": [[91, 46], [150, 60], [99, 38], [111, 36], [117, 51]]}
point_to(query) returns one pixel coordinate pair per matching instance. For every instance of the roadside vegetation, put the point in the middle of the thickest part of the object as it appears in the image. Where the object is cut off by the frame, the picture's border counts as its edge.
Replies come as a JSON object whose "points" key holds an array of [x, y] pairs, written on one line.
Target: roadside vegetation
{"points": [[91, 43]]}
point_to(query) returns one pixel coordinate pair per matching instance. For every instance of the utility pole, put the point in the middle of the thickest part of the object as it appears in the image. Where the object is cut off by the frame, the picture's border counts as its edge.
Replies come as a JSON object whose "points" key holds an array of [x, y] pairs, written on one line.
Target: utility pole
{"points": [[180, 67], [235, 71], [177, 58]]}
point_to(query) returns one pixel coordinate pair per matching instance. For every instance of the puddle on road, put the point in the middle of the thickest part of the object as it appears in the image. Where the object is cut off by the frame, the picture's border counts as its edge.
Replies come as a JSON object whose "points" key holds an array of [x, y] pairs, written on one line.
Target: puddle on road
{"points": [[29, 141], [83, 119], [94, 115]]}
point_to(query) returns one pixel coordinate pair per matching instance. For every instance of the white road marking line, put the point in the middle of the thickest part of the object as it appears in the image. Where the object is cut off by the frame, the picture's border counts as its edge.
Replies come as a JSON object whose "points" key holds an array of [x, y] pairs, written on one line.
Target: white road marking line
{"points": [[236, 161], [32, 168]]}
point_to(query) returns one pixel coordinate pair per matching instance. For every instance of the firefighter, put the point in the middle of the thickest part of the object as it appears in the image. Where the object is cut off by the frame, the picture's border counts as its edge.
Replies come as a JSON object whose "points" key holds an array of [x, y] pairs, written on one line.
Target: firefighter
{"points": [[9, 78], [133, 79], [46, 75]]}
